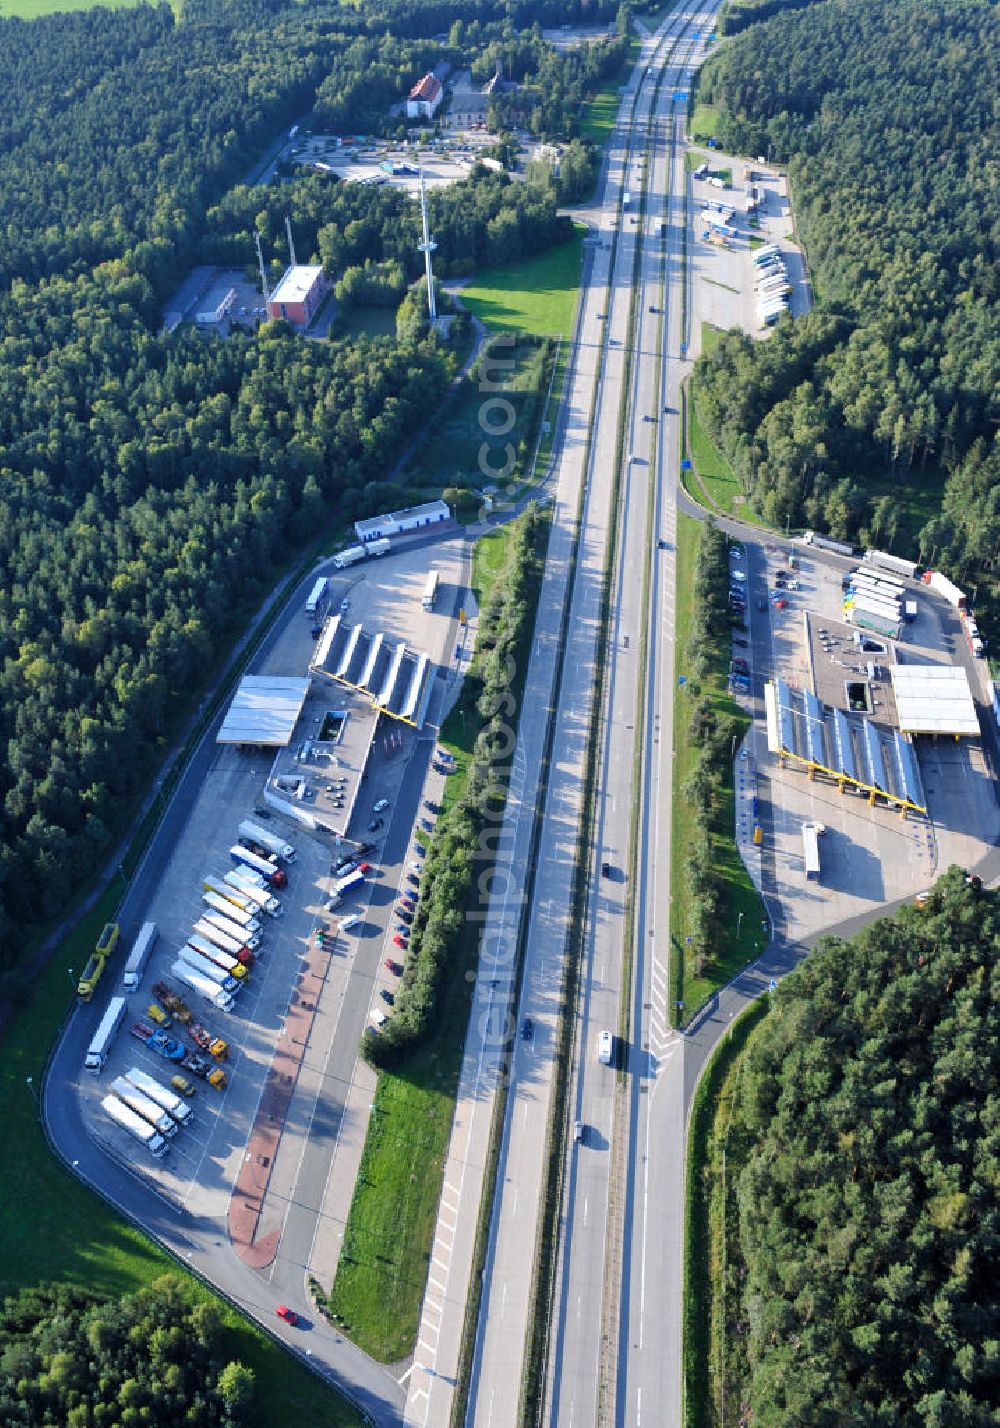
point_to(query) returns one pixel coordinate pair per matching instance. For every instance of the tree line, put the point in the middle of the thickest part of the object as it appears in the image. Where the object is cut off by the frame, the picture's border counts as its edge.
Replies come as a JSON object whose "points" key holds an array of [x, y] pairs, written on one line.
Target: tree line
{"points": [[152, 484], [72, 1358], [464, 840], [860, 1181], [883, 116]]}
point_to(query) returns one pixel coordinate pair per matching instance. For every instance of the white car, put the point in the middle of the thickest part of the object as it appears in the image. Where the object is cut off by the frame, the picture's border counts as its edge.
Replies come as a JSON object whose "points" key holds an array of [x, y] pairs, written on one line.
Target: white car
{"points": [[350, 922], [737, 575], [416, 867], [378, 1019], [381, 806]]}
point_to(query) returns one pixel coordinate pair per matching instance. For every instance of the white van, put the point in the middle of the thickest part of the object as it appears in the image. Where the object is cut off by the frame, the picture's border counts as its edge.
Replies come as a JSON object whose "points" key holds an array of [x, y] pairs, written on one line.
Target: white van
{"points": [[605, 1048], [350, 922]]}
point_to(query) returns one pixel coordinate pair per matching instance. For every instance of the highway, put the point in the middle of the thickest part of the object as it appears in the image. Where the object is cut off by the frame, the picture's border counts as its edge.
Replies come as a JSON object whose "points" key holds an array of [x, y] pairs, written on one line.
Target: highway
{"points": [[589, 1358], [607, 323]]}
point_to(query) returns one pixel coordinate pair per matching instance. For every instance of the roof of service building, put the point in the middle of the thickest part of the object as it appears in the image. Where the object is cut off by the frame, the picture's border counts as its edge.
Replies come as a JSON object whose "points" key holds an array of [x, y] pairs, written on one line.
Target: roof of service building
{"points": [[933, 699], [265, 710], [296, 283], [427, 88]]}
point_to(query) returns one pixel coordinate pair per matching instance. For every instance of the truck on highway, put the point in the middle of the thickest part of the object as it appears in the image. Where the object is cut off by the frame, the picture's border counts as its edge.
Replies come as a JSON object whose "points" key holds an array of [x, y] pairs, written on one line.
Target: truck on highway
{"points": [[227, 941], [246, 920], [378, 547], [168, 1100], [350, 556], [264, 866], [90, 977], [203, 985], [626, 199], [135, 1125], [97, 1051], [218, 956], [268, 841], [194, 958], [255, 892], [144, 1106]]}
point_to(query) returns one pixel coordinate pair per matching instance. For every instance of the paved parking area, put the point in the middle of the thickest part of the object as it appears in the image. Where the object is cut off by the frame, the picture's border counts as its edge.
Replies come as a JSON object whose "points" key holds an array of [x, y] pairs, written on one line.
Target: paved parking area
{"points": [[869, 855]]}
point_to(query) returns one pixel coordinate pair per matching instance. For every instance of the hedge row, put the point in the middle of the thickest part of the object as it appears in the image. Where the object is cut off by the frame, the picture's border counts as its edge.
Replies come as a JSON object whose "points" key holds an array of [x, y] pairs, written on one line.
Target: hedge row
{"points": [[464, 839], [713, 728]]}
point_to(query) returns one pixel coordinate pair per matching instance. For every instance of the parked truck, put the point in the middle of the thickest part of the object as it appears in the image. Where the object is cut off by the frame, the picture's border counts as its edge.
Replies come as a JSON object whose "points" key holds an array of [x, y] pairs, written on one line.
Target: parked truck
{"points": [[174, 1004], [224, 889], [97, 1051], [255, 892], [378, 547], [350, 556], [166, 1046], [217, 956], [108, 940], [205, 967], [205, 1040], [135, 1125], [243, 919], [193, 977], [241, 854], [169, 1101], [267, 841], [137, 958], [144, 1106], [90, 977], [228, 942]]}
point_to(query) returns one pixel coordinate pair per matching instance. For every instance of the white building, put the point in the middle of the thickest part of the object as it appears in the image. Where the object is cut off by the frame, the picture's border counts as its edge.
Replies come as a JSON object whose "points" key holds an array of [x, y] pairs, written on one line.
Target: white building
{"points": [[424, 98], [401, 522]]}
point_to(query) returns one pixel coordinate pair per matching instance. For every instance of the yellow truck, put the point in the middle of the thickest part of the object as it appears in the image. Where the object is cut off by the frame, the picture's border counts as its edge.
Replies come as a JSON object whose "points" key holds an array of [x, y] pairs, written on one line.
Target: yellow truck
{"points": [[90, 978], [108, 940]]}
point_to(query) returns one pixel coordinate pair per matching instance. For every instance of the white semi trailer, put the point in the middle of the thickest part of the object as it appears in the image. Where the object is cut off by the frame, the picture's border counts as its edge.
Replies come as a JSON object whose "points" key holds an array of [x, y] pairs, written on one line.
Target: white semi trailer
{"points": [[268, 841], [192, 977], [223, 960], [135, 1125], [137, 958], [233, 945], [239, 879], [97, 1051], [239, 915], [226, 890], [144, 1106], [174, 1105]]}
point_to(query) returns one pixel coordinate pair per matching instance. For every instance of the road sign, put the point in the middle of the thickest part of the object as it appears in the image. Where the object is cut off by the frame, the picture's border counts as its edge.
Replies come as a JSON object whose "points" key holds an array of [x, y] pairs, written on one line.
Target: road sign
{"points": [[772, 986], [682, 679], [686, 465]]}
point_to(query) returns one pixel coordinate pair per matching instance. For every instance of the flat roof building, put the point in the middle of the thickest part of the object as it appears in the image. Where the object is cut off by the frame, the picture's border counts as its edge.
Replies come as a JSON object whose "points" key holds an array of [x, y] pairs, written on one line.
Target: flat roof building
{"points": [[399, 522], [264, 711], [298, 296], [934, 699]]}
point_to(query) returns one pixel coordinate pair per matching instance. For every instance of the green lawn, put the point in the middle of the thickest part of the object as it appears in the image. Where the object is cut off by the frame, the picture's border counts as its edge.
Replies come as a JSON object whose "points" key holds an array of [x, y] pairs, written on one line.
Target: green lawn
{"points": [[451, 453], [390, 1230], [717, 479], [704, 122], [537, 295], [741, 895], [35, 9], [53, 1228], [365, 322]]}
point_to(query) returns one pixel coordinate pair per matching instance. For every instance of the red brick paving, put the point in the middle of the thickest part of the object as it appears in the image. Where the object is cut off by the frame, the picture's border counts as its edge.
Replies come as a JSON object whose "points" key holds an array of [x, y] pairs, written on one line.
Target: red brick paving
{"points": [[247, 1200]]}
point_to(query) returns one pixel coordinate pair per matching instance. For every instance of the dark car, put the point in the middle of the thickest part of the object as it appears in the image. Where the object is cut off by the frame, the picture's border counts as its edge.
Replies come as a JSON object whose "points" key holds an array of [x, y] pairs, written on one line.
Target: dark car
{"points": [[527, 1029], [405, 912], [413, 878], [393, 967], [387, 996], [761, 605], [741, 642], [375, 825], [740, 666], [606, 870]]}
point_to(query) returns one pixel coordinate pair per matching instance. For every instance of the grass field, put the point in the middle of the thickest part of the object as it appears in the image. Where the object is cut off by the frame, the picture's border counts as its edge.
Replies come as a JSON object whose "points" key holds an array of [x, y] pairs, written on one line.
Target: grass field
{"points": [[744, 911], [365, 322], [451, 453], [704, 122], [35, 9], [52, 1227], [537, 295], [383, 1269]]}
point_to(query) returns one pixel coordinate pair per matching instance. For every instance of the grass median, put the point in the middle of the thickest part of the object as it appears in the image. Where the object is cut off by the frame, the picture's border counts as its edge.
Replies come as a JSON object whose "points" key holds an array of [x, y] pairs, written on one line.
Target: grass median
{"points": [[707, 1207]]}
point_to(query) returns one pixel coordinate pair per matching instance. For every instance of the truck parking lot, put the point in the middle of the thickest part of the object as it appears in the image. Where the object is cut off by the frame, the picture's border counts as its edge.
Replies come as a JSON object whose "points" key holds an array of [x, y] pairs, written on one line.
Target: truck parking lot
{"points": [[290, 994]]}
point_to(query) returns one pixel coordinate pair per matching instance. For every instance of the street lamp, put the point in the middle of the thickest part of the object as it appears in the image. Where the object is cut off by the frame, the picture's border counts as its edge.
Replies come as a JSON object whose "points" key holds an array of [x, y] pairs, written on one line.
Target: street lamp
{"points": [[739, 924], [29, 1081]]}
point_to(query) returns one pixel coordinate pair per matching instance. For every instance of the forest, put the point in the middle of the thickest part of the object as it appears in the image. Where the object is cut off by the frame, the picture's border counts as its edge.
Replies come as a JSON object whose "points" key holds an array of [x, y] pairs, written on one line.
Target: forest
{"points": [[883, 400], [72, 1359], [861, 1173], [152, 486]]}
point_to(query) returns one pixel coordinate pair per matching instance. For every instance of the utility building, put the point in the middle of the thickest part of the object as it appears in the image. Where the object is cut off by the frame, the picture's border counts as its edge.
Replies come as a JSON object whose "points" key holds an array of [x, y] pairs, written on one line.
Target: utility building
{"points": [[400, 522], [298, 296]]}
